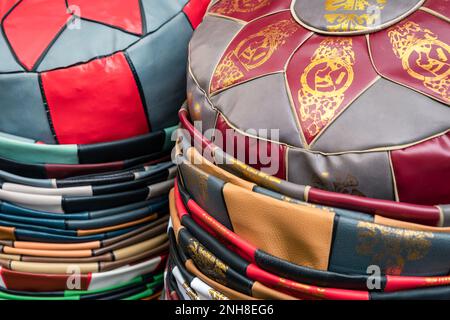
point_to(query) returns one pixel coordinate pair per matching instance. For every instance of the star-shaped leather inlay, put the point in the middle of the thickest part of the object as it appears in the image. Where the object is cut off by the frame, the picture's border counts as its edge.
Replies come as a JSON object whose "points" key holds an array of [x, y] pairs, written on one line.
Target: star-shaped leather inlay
{"points": [[32, 26]]}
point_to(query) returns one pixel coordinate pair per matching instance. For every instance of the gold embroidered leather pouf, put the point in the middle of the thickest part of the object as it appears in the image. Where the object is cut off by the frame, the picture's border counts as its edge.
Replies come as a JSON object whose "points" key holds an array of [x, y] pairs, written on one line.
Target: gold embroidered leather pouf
{"points": [[358, 90]]}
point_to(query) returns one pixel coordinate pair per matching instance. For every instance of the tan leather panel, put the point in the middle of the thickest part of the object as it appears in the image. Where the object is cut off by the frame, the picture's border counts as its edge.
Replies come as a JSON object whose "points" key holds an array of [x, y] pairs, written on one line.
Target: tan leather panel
{"points": [[117, 227], [57, 246], [7, 233], [54, 268], [202, 163], [10, 257], [301, 235], [140, 247], [409, 225], [49, 253]]}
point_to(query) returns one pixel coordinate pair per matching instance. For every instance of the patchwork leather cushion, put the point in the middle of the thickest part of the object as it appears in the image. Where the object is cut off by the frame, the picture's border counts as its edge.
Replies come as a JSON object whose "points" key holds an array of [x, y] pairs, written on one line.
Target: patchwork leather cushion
{"points": [[82, 72], [359, 92]]}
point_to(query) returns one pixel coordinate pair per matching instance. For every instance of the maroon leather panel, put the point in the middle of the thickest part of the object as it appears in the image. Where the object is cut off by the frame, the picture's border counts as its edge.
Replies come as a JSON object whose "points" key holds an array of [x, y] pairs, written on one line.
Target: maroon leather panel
{"points": [[431, 184], [233, 143]]}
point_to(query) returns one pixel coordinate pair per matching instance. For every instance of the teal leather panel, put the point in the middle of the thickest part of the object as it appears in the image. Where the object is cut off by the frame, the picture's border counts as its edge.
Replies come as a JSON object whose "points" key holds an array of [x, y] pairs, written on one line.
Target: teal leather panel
{"points": [[360, 244], [37, 153]]}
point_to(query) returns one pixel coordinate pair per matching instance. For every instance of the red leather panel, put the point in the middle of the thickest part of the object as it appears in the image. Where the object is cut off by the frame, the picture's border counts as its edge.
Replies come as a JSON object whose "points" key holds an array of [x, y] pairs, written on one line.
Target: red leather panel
{"points": [[95, 102], [5, 6], [234, 144], [439, 6], [121, 14], [416, 53], [195, 10], [325, 76], [248, 10], [32, 26], [431, 184], [22, 281], [426, 215], [260, 48]]}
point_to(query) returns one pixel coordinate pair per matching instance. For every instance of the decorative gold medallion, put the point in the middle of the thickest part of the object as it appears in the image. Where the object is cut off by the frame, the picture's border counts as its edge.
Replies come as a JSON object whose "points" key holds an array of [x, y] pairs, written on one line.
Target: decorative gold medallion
{"points": [[252, 53], [353, 15], [391, 247], [324, 83], [241, 6], [424, 57]]}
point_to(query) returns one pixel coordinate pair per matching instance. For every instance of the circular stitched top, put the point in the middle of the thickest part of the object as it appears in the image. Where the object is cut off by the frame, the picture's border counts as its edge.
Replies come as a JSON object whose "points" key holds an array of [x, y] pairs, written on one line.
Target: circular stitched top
{"points": [[366, 114], [82, 71]]}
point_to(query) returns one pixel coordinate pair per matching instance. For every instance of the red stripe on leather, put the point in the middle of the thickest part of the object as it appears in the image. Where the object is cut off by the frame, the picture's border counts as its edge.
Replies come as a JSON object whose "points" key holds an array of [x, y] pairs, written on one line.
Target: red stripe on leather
{"points": [[95, 102], [254, 272], [195, 10], [431, 184], [394, 210], [398, 283], [32, 26], [121, 14]]}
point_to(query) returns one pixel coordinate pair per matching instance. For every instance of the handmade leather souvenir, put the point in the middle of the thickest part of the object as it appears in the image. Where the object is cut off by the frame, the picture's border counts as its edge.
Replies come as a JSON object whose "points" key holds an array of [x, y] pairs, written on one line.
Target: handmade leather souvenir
{"points": [[83, 72], [346, 96], [400, 211], [395, 287]]}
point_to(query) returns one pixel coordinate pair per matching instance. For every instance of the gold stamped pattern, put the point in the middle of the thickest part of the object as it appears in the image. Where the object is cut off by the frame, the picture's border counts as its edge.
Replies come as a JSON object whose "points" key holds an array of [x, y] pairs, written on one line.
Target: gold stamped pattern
{"points": [[207, 263], [392, 247], [353, 15], [324, 83], [240, 6], [252, 53], [424, 57]]}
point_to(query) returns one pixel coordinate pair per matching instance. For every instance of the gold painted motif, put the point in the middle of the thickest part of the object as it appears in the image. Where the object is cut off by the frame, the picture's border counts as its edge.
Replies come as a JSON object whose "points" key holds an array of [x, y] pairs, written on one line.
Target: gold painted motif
{"points": [[347, 184], [391, 248], [324, 83], [353, 15], [207, 263], [216, 295], [240, 6], [252, 53], [424, 57], [190, 293]]}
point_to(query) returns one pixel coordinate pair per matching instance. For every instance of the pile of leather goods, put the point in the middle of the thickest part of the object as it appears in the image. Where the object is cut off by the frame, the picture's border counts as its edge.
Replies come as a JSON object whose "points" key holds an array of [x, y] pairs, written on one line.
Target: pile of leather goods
{"points": [[89, 95], [327, 174]]}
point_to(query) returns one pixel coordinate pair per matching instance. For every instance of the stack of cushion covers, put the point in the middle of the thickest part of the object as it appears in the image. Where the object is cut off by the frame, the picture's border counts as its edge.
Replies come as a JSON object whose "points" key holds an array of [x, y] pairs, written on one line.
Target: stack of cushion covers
{"points": [[350, 199], [89, 93]]}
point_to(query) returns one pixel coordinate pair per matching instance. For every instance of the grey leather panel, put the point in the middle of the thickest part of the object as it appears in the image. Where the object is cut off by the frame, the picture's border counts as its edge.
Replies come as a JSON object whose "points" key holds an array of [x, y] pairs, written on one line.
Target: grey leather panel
{"points": [[81, 45], [208, 44], [200, 108], [365, 174], [272, 106], [158, 12], [160, 63], [22, 108], [381, 118], [7, 61]]}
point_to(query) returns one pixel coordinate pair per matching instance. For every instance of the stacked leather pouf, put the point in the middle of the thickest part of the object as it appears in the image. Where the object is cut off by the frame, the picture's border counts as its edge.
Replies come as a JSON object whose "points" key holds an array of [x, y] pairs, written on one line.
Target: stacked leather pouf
{"points": [[89, 93], [346, 193]]}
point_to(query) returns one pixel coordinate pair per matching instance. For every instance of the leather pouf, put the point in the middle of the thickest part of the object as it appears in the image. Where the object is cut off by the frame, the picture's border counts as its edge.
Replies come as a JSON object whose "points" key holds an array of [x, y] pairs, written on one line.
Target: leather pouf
{"points": [[89, 93], [359, 92], [81, 71]]}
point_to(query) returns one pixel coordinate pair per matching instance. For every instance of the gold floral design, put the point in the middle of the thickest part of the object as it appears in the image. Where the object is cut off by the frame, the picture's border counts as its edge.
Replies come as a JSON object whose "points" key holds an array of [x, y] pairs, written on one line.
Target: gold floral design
{"points": [[391, 248]]}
